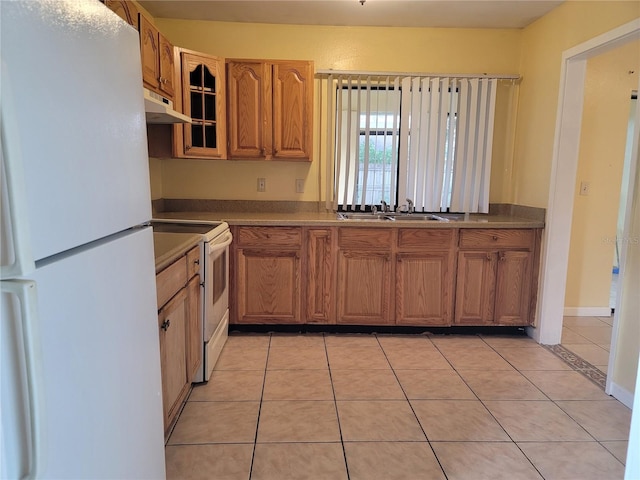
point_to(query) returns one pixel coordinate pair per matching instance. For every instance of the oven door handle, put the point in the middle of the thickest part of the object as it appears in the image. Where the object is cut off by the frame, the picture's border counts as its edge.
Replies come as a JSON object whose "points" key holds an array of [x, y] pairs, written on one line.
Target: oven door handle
{"points": [[214, 247]]}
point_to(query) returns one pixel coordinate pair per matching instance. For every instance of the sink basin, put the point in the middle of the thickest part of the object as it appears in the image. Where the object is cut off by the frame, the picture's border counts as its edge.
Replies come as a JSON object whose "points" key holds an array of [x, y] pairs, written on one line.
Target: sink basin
{"points": [[416, 217], [400, 217], [360, 216]]}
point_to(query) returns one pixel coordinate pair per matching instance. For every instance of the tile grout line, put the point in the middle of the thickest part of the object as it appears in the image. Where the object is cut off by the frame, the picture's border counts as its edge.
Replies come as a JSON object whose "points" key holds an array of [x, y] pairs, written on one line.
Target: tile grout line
{"points": [[335, 404], [264, 381]]}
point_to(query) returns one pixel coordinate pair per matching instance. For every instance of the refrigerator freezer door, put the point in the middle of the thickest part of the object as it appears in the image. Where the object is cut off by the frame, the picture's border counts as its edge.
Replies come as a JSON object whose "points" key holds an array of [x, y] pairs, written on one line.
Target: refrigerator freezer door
{"points": [[101, 388], [78, 122]]}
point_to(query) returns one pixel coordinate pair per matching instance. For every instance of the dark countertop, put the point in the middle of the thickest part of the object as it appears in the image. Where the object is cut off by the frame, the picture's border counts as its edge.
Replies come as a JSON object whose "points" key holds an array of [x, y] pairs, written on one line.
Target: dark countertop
{"points": [[330, 219]]}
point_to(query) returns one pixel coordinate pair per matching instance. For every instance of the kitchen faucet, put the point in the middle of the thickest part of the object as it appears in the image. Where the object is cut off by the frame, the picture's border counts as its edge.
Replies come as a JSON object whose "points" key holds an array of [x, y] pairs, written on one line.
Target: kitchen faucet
{"points": [[410, 207], [385, 207]]}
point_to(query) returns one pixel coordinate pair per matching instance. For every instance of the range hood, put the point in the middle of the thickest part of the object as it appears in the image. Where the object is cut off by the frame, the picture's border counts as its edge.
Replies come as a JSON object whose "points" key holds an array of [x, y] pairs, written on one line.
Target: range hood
{"points": [[160, 110]]}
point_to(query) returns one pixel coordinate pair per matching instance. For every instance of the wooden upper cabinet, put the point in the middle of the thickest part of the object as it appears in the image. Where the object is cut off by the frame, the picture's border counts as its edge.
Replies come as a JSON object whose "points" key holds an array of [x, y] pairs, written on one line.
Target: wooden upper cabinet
{"points": [[270, 108], [157, 59], [202, 99], [249, 108], [167, 67], [292, 110], [126, 10]]}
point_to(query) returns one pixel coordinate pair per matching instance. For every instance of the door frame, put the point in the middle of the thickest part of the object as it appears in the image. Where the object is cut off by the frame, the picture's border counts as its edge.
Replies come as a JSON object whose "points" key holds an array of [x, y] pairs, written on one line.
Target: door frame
{"points": [[564, 166]]}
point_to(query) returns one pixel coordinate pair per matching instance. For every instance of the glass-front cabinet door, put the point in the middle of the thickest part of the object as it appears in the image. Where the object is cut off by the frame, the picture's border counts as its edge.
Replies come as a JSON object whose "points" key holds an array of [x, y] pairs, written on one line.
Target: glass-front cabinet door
{"points": [[203, 99]]}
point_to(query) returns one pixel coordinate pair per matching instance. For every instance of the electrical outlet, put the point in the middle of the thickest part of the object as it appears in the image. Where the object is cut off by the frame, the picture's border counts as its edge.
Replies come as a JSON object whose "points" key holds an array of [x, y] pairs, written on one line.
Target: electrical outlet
{"points": [[299, 185], [262, 184], [585, 188]]}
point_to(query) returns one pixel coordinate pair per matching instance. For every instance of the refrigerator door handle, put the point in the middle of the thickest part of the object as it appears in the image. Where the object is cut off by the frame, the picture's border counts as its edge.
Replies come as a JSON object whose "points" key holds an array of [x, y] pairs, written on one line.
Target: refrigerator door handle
{"points": [[17, 252], [25, 291]]}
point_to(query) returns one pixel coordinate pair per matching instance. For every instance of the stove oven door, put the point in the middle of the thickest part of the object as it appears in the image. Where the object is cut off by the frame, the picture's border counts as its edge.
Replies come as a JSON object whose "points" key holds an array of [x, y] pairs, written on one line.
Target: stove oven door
{"points": [[216, 282]]}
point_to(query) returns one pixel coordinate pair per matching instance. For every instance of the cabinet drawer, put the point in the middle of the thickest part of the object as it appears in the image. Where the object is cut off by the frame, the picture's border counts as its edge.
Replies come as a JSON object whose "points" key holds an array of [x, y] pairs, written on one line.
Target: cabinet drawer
{"points": [[269, 236], [170, 280], [497, 238], [426, 239], [377, 238], [193, 261]]}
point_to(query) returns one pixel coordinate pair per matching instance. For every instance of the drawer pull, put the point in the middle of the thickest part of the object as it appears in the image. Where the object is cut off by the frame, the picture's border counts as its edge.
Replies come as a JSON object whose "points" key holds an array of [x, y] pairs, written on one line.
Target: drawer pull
{"points": [[489, 256], [495, 238], [503, 257], [165, 325], [197, 262]]}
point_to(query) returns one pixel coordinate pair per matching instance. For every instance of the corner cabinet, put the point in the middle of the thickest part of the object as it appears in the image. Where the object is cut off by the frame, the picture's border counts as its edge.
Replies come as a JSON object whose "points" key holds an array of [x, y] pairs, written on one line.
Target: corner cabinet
{"points": [[268, 275], [203, 99], [270, 109], [497, 276], [157, 59]]}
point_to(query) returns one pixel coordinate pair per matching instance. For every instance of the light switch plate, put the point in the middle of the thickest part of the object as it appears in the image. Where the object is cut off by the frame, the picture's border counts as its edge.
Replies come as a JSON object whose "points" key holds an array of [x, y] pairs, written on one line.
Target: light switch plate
{"points": [[299, 185], [585, 188], [262, 184]]}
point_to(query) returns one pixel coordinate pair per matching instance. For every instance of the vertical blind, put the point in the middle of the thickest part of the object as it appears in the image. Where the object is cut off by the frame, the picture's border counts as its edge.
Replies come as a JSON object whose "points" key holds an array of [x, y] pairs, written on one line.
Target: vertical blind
{"points": [[427, 138]]}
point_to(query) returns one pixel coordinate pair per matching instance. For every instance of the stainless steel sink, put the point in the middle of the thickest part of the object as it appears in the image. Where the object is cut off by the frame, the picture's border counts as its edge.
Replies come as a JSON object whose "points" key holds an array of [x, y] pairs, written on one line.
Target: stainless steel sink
{"points": [[400, 217], [419, 217], [360, 216]]}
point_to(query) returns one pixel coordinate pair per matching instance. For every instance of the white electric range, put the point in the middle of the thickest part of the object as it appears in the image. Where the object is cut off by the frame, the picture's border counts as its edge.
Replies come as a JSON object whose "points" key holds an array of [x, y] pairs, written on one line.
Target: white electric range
{"points": [[214, 277]]}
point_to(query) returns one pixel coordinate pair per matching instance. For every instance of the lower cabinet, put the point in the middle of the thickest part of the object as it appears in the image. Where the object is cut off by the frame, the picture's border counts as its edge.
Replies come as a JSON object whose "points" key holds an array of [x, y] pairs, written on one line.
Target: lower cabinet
{"points": [[180, 332], [425, 272], [424, 293], [496, 280], [172, 320], [268, 275], [384, 276], [365, 276]]}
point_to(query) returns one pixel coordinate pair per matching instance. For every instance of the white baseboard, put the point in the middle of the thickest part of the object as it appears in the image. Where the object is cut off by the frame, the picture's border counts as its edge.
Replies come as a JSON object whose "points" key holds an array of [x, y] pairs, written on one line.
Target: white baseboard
{"points": [[587, 311], [622, 394]]}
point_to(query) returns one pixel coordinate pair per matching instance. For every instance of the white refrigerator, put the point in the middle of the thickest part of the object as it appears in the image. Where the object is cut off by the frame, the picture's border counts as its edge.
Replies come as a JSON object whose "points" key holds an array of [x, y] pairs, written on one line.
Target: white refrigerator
{"points": [[81, 393]]}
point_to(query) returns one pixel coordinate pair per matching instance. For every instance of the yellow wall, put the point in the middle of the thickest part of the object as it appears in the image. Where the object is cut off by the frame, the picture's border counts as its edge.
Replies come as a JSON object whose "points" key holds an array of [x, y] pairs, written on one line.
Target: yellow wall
{"points": [[430, 50], [543, 42], [608, 88]]}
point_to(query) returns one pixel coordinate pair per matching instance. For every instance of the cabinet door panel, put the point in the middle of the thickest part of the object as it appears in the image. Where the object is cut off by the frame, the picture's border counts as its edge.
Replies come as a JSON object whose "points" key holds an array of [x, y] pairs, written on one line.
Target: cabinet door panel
{"points": [[203, 99], [249, 107], [424, 289], [321, 261], [292, 110], [172, 326], [150, 52], [166, 66], [475, 290], [126, 10], [268, 286], [513, 288], [364, 288]]}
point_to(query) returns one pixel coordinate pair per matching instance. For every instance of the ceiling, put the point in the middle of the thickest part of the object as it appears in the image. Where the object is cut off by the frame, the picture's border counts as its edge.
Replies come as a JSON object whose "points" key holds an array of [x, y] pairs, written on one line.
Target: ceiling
{"points": [[396, 13]]}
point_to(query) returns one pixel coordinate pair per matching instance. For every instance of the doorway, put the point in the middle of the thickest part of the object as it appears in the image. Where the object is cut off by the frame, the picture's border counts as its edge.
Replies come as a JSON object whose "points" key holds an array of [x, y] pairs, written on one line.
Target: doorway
{"points": [[563, 178], [601, 189]]}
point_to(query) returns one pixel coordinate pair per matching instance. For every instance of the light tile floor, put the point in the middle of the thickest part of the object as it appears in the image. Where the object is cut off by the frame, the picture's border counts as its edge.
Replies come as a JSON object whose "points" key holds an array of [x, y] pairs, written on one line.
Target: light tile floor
{"points": [[367, 407], [589, 338]]}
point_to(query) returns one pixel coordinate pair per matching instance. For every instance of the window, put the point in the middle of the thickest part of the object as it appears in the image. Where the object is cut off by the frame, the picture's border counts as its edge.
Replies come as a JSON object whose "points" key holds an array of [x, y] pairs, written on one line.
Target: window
{"points": [[428, 139]]}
